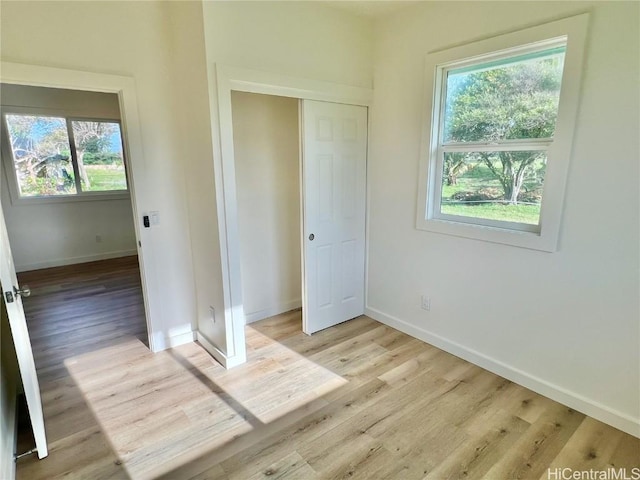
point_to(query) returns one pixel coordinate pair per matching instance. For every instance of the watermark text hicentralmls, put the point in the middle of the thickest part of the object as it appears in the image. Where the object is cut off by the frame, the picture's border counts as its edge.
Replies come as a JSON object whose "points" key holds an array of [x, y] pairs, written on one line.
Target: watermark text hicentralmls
{"points": [[611, 473]]}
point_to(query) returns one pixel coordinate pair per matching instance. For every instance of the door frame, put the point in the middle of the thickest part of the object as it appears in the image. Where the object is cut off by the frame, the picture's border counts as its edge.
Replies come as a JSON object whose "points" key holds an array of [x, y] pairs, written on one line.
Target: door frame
{"points": [[124, 87], [230, 79]]}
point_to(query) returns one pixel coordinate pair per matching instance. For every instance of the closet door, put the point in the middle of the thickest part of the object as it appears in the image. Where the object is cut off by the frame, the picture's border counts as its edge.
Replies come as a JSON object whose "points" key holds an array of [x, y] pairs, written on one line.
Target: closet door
{"points": [[334, 158]]}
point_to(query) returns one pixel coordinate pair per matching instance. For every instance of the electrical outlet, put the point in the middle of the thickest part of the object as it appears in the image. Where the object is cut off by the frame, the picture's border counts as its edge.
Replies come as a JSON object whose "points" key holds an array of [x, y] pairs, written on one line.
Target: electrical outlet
{"points": [[98, 238], [212, 311], [425, 303]]}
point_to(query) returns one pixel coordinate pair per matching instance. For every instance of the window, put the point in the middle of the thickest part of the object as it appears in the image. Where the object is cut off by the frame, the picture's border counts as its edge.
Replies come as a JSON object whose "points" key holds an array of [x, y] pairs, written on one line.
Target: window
{"points": [[55, 156], [498, 121], [499, 135]]}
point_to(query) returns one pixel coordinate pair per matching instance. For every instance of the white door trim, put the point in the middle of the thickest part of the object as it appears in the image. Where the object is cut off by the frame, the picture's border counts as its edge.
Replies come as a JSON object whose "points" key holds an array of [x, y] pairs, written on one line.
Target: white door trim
{"points": [[124, 87], [230, 79]]}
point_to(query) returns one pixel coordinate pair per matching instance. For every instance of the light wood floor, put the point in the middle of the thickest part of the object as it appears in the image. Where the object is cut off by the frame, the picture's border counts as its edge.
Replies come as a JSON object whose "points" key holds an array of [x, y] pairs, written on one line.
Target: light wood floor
{"points": [[359, 400]]}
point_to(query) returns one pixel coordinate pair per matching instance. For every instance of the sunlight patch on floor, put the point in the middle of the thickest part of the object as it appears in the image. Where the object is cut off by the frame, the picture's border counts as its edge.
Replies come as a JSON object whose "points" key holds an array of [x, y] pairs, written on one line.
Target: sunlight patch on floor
{"points": [[161, 410]]}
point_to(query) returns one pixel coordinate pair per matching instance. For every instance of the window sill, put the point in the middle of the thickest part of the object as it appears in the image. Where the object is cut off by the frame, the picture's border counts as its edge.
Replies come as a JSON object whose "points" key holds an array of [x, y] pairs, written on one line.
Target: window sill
{"points": [[84, 197], [515, 238]]}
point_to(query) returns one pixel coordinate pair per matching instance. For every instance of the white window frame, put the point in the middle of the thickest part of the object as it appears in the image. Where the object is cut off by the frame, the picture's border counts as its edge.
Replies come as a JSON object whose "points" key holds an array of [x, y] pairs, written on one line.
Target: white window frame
{"points": [[571, 32], [80, 196]]}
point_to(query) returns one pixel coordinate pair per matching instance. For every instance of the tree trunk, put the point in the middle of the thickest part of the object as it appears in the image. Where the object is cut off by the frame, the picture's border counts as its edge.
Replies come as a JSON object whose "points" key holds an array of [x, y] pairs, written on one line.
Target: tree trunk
{"points": [[86, 185], [509, 190], [515, 191], [518, 178]]}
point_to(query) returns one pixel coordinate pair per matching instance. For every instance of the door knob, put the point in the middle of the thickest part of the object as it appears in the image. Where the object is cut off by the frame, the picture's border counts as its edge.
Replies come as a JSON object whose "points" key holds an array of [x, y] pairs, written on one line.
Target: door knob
{"points": [[23, 292], [311, 237]]}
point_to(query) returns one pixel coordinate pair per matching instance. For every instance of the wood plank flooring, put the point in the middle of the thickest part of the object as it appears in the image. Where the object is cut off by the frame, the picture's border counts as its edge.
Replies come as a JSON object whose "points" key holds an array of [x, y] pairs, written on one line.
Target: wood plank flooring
{"points": [[359, 400], [73, 310]]}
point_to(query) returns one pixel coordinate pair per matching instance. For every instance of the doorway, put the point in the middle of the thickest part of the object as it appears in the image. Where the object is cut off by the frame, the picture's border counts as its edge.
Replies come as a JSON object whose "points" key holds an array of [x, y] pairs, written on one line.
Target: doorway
{"points": [[242, 80], [123, 89], [267, 150], [66, 201], [301, 207]]}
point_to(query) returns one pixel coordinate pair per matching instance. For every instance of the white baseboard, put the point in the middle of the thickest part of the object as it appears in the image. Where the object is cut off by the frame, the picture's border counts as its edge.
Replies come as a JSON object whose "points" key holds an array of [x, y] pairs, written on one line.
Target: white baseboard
{"points": [[612, 417], [161, 342], [177, 340], [59, 262], [275, 310], [226, 361]]}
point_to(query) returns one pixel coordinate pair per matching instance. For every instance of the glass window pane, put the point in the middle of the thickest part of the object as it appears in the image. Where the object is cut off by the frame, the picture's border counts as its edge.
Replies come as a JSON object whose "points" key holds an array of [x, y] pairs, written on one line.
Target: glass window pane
{"points": [[41, 155], [504, 186], [514, 98], [100, 159]]}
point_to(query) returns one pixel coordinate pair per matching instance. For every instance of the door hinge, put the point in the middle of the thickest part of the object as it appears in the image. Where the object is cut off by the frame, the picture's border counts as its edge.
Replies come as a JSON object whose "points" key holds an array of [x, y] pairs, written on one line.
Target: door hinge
{"points": [[8, 296]]}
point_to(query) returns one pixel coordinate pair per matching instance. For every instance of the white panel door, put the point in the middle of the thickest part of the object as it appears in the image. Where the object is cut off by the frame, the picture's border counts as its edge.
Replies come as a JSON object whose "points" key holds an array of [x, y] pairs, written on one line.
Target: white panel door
{"points": [[21, 340], [334, 164]]}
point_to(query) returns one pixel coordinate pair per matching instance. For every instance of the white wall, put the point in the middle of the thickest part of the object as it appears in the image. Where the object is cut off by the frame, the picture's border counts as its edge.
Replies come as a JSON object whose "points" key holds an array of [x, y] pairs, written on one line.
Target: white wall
{"points": [[70, 228], [190, 106], [132, 39], [302, 39], [564, 323], [266, 148]]}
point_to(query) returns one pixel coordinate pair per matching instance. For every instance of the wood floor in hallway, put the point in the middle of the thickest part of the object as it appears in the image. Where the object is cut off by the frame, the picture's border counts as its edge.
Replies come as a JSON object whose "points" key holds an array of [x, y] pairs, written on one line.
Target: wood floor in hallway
{"points": [[359, 400]]}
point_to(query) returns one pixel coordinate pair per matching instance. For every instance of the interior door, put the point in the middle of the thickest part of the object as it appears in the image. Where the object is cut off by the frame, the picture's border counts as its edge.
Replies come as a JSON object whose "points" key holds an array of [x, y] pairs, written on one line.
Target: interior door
{"points": [[334, 160], [20, 334]]}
